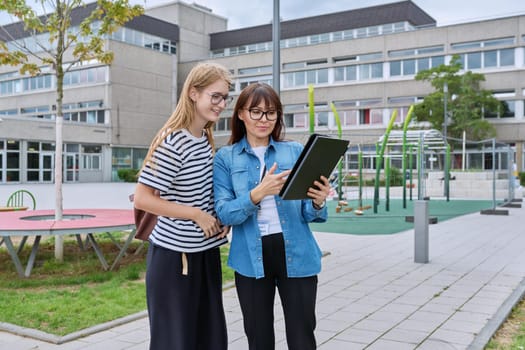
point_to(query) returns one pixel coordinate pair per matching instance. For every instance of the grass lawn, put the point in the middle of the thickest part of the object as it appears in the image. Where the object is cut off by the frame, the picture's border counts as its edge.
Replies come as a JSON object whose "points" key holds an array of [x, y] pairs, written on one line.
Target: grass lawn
{"points": [[61, 298], [511, 335]]}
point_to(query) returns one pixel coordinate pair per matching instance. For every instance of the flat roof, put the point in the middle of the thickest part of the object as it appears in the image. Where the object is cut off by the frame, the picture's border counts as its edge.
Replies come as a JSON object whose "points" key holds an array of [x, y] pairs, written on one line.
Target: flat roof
{"points": [[143, 23], [358, 18]]}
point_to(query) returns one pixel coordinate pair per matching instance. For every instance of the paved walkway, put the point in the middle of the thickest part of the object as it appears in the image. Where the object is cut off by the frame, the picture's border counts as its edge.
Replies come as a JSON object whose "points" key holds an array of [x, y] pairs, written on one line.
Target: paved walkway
{"points": [[372, 295]]}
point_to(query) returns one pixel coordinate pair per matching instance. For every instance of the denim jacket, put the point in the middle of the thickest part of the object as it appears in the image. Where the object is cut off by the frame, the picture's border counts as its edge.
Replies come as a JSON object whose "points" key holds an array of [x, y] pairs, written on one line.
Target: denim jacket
{"points": [[236, 172]]}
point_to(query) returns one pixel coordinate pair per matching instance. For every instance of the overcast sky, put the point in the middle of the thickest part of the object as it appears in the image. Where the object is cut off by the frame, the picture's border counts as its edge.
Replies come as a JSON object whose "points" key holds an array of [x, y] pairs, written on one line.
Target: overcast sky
{"points": [[246, 13]]}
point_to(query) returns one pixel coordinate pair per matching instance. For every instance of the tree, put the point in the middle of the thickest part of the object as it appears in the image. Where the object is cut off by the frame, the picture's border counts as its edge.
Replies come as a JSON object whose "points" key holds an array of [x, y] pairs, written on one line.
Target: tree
{"points": [[59, 43], [467, 103]]}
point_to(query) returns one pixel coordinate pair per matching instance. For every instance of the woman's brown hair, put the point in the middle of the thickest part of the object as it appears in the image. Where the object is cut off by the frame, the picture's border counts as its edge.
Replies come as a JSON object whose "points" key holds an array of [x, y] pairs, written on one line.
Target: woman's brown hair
{"points": [[254, 94]]}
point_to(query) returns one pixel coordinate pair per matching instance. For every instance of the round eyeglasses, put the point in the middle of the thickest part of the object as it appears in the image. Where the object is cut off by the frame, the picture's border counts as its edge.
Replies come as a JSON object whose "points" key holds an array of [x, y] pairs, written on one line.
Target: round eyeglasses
{"points": [[257, 114], [217, 98]]}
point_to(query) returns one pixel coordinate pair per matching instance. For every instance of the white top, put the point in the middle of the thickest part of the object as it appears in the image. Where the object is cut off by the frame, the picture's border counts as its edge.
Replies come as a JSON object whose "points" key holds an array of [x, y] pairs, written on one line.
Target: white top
{"points": [[267, 215]]}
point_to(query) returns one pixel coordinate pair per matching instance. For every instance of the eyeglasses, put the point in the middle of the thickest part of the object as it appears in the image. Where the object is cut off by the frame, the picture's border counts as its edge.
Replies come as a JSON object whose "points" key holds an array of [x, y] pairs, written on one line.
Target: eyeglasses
{"points": [[257, 114], [218, 98]]}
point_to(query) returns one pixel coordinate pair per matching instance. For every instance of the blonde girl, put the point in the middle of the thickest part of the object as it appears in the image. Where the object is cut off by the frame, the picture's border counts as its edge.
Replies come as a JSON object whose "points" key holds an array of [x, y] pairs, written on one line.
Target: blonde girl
{"points": [[183, 277]]}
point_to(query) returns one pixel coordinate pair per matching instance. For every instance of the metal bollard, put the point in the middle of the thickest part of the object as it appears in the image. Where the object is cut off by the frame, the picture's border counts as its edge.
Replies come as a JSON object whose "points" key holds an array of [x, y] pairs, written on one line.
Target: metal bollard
{"points": [[421, 231]]}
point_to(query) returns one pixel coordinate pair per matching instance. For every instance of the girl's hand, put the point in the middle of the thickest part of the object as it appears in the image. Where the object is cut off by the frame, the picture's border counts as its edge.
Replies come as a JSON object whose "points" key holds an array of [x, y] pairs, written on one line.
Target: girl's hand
{"points": [[209, 224], [223, 232]]}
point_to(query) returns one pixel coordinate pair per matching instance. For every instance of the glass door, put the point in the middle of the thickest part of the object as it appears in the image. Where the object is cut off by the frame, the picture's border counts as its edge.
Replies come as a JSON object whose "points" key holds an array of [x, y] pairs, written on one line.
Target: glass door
{"points": [[71, 168], [47, 168]]}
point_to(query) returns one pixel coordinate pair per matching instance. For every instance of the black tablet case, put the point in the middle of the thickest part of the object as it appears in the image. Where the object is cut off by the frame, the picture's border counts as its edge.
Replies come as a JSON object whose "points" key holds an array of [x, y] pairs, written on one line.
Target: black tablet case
{"points": [[319, 157]]}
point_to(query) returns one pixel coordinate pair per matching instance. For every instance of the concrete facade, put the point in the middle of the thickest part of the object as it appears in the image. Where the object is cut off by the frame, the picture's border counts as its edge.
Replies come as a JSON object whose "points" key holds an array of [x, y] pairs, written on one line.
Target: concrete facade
{"points": [[138, 92], [195, 22], [511, 130]]}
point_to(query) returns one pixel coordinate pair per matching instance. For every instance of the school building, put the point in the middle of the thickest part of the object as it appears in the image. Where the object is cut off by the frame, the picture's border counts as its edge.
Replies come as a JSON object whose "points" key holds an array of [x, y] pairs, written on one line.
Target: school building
{"points": [[363, 61]]}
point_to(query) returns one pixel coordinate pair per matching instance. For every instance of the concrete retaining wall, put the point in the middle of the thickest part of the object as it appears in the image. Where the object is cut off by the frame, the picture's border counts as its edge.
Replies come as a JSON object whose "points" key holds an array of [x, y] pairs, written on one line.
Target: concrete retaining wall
{"points": [[478, 185]]}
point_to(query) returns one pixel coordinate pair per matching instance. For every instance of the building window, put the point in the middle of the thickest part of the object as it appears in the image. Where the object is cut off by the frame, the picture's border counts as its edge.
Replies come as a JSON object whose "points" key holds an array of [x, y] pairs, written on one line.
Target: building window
{"points": [[255, 70], [507, 109], [12, 172], [506, 57], [218, 53], [371, 71], [46, 81], [85, 76], [364, 116], [499, 42], [299, 121], [492, 58], [321, 119], [40, 112], [348, 73], [288, 120], [302, 78], [314, 39], [437, 61], [142, 39], [33, 161], [366, 71], [89, 112], [295, 116], [395, 68], [260, 79], [348, 118], [121, 158], [474, 60], [128, 158], [416, 52], [223, 124], [409, 67], [487, 43], [413, 66], [6, 112], [466, 46]]}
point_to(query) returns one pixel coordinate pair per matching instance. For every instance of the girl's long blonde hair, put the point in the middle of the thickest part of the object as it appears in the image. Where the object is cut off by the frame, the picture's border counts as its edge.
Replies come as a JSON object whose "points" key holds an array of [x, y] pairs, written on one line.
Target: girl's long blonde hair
{"points": [[200, 77]]}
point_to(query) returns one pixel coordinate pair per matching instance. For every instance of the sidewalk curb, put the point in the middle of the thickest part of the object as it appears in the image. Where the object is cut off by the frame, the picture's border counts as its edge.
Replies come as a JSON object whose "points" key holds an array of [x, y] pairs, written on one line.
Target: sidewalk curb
{"points": [[55, 339], [484, 336]]}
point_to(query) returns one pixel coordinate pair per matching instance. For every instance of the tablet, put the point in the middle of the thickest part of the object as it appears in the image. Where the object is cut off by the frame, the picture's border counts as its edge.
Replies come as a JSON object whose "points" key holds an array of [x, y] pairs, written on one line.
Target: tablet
{"points": [[319, 157]]}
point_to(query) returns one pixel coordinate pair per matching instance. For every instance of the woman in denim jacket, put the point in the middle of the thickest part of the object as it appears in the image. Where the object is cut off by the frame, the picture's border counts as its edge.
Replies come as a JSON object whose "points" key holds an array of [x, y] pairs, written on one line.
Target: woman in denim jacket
{"points": [[272, 245]]}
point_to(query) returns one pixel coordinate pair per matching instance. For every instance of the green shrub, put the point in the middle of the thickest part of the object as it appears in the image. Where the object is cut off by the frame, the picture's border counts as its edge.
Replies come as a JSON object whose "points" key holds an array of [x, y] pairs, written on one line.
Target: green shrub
{"points": [[128, 175], [522, 178], [396, 178]]}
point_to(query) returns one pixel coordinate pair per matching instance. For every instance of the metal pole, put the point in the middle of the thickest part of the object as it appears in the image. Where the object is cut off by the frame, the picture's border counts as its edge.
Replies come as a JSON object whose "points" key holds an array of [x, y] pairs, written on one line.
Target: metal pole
{"points": [[510, 160], [445, 120], [387, 182], [447, 167], [420, 170], [494, 174], [421, 243], [410, 166], [276, 38], [463, 158]]}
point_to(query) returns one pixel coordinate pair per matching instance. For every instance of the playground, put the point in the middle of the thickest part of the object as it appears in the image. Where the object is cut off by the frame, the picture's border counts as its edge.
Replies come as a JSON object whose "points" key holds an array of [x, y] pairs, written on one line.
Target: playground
{"points": [[384, 222], [425, 171]]}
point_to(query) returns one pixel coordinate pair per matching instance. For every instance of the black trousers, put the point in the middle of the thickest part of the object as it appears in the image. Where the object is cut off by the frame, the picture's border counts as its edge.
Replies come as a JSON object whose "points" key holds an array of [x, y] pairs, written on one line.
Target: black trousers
{"points": [[185, 310], [298, 296]]}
